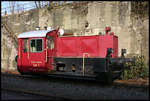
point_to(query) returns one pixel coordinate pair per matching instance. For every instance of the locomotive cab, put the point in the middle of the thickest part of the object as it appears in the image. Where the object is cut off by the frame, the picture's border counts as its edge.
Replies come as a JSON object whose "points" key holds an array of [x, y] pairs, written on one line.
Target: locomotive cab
{"points": [[35, 51]]}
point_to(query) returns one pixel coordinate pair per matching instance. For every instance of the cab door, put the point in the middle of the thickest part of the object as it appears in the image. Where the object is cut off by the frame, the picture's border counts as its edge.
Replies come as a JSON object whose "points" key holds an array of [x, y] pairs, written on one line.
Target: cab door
{"points": [[37, 54], [50, 52], [25, 64]]}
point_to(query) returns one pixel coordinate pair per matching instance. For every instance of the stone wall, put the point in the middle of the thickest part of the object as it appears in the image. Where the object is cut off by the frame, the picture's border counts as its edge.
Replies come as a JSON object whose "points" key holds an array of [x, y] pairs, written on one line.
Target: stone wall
{"points": [[89, 18]]}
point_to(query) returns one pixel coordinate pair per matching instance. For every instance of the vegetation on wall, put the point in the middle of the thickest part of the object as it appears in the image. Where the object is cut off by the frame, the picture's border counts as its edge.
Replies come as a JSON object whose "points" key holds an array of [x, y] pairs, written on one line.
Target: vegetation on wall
{"points": [[49, 8], [140, 8]]}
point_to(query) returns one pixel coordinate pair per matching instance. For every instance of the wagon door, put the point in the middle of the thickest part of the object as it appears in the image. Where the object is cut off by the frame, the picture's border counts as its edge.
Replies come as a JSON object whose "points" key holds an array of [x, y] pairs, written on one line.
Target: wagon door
{"points": [[37, 55]]}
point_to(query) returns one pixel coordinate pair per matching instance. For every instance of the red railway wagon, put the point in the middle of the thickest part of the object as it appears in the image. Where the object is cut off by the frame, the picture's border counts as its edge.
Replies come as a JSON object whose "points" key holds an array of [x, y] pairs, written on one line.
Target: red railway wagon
{"points": [[47, 52]]}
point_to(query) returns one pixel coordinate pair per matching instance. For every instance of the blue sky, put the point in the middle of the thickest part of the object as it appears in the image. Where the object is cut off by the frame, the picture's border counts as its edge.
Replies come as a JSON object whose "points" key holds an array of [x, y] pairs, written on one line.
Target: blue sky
{"points": [[27, 5], [5, 4]]}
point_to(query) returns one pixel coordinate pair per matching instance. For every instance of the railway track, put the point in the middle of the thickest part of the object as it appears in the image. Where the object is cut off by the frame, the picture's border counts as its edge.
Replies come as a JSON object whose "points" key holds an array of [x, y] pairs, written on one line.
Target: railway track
{"points": [[31, 92], [66, 89], [65, 77], [35, 93]]}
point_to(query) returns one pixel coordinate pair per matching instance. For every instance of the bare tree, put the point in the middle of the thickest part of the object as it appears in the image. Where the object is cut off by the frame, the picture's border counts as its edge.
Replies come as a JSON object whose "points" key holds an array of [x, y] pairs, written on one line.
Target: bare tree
{"points": [[18, 8], [12, 6], [38, 4], [50, 3]]}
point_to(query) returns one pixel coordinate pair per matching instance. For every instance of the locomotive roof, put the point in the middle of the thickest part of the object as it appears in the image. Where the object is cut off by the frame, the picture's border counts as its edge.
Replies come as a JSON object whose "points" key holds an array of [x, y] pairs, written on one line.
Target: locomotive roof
{"points": [[39, 33]]}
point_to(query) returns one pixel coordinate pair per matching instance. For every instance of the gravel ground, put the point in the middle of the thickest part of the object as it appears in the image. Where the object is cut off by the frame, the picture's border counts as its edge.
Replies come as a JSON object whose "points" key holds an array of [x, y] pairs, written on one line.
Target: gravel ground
{"points": [[76, 89]]}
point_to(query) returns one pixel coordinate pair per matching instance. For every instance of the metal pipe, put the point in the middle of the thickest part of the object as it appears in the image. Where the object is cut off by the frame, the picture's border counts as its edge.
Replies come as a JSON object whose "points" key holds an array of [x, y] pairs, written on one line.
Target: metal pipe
{"points": [[84, 62]]}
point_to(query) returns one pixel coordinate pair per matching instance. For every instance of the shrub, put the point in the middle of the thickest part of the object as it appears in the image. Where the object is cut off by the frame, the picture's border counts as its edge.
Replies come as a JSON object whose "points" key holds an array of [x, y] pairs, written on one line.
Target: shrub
{"points": [[138, 70]]}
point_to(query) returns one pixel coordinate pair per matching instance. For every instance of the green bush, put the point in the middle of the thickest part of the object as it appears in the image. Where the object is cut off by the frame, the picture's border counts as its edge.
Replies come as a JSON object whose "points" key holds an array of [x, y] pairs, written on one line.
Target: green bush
{"points": [[138, 70], [49, 8]]}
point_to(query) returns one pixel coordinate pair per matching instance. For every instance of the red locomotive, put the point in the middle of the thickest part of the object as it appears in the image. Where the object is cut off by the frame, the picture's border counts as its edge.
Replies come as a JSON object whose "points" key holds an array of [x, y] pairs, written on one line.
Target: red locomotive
{"points": [[48, 52]]}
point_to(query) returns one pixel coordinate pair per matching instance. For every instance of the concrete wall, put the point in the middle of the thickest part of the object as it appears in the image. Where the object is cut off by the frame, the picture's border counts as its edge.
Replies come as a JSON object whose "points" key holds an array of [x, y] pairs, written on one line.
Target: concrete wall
{"points": [[22, 22], [8, 52], [120, 16], [71, 18], [17, 24], [140, 29], [113, 14]]}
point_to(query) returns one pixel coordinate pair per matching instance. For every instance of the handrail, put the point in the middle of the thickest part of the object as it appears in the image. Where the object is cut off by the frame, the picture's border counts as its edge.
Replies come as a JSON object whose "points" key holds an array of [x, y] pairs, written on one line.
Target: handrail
{"points": [[28, 49], [46, 55], [19, 52], [84, 62]]}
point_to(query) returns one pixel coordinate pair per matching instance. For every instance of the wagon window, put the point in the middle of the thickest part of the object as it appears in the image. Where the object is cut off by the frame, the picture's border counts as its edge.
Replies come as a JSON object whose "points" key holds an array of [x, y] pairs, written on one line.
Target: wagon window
{"points": [[36, 45], [25, 45]]}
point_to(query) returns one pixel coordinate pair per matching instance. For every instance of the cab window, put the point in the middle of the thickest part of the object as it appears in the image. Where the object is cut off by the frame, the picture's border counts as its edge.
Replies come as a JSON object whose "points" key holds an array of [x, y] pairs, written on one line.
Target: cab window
{"points": [[36, 45], [25, 45], [50, 42]]}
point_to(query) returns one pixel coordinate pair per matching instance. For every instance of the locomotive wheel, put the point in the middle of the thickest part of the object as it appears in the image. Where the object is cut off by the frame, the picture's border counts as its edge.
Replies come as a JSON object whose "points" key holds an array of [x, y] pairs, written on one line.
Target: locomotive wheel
{"points": [[109, 78], [22, 73], [104, 77], [117, 75]]}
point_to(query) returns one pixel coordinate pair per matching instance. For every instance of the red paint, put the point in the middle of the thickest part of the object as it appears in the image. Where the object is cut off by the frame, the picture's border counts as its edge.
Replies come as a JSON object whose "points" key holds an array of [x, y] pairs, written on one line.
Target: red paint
{"points": [[95, 46], [74, 46]]}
